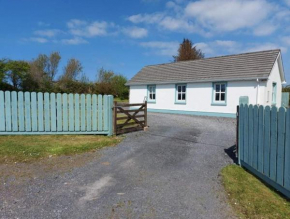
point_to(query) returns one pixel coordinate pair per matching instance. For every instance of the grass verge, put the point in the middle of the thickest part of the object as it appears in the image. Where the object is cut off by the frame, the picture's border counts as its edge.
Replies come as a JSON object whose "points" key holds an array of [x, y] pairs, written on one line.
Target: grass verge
{"points": [[250, 198], [30, 148]]}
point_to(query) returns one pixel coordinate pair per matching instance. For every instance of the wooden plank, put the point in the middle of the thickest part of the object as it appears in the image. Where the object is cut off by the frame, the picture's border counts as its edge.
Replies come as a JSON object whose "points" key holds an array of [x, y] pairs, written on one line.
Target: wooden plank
{"points": [[130, 123], [8, 111], [64, 113], [53, 112], [106, 112], [115, 117], [261, 138], [251, 135], [34, 112], [59, 111], [246, 134], [126, 130], [46, 112], [77, 112], [83, 113], [71, 113], [100, 113], [273, 144], [281, 145], [255, 136], [89, 112], [287, 153], [94, 112], [2, 113], [40, 117], [241, 133], [27, 112], [130, 105], [111, 100], [267, 141], [126, 117], [145, 113], [14, 111], [21, 111], [131, 111]]}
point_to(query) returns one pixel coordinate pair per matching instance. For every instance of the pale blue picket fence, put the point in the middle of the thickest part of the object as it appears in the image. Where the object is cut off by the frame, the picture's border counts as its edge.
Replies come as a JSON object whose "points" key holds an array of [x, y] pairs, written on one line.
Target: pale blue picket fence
{"points": [[50, 113], [264, 144]]}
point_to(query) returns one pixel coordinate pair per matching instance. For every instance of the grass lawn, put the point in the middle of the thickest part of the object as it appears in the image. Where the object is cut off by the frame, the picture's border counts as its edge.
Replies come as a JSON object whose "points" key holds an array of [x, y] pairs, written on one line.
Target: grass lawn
{"points": [[30, 148], [250, 198]]}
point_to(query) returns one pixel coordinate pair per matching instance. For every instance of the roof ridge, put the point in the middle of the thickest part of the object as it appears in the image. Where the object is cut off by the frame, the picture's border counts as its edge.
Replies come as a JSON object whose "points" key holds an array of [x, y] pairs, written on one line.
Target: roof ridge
{"points": [[270, 50]]}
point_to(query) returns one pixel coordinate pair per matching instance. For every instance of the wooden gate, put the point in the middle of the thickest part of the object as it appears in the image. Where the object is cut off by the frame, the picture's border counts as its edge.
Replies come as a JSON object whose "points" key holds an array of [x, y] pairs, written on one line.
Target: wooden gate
{"points": [[129, 117]]}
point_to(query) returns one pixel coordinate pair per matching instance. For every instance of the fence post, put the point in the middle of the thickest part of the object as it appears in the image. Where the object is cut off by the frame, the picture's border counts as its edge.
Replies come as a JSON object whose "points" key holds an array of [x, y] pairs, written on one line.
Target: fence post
{"points": [[145, 112], [237, 135], [110, 108], [115, 117]]}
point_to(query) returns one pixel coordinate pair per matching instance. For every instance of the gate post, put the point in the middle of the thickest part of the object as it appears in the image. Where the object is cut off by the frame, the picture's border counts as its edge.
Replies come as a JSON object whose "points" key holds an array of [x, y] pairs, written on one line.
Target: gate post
{"points": [[110, 108]]}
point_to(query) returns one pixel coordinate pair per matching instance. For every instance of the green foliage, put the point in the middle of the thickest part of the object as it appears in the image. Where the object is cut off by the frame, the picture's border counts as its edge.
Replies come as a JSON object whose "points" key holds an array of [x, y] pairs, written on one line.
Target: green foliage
{"points": [[187, 51], [286, 89]]}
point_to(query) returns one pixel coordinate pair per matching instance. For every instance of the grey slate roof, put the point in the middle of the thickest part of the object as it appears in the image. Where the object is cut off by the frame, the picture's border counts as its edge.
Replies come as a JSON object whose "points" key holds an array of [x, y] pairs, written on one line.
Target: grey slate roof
{"points": [[231, 67]]}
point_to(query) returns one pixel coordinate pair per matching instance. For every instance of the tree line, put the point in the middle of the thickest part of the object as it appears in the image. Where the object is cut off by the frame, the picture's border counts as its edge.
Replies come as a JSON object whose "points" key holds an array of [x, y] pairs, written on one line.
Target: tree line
{"points": [[40, 75]]}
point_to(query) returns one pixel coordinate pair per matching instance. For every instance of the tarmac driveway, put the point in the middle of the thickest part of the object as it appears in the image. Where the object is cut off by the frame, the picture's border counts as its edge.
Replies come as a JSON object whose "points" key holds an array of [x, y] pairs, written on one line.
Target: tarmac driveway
{"points": [[170, 171]]}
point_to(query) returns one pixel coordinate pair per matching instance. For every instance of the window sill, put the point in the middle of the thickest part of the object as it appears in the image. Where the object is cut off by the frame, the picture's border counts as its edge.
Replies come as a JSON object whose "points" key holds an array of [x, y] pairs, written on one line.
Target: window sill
{"points": [[151, 101], [182, 103], [218, 104]]}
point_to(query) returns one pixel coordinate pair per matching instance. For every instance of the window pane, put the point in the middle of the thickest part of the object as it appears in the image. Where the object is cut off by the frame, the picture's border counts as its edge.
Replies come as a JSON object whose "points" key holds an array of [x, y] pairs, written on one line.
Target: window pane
{"points": [[217, 96], [179, 97], [153, 97], [183, 96], [183, 88], [154, 88], [150, 96], [222, 96], [217, 87], [179, 88], [223, 87]]}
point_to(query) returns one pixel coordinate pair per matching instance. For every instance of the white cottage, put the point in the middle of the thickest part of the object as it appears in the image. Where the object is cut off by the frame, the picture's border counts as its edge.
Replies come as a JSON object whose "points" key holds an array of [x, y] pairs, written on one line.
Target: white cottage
{"points": [[210, 86]]}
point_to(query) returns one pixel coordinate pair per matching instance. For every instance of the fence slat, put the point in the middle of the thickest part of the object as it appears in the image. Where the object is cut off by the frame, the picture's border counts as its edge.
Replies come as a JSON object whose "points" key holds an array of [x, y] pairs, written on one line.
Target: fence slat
{"points": [[241, 132], [287, 153], [83, 113], [255, 137], [89, 114], [71, 112], [14, 111], [280, 145], [94, 113], [34, 112], [52, 112], [27, 112], [100, 113], [64, 113], [251, 134], [2, 114], [46, 112], [273, 144], [77, 112], [105, 109], [111, 100], [40, 112], [260, 138], [267, 141], [21, 111], [246, 134], [59, 112], [8, 111]]}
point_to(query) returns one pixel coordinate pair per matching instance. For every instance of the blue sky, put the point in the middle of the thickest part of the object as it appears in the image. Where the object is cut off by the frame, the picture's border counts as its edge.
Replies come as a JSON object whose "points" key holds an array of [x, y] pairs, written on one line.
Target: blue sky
{"points": [[123, 36]]}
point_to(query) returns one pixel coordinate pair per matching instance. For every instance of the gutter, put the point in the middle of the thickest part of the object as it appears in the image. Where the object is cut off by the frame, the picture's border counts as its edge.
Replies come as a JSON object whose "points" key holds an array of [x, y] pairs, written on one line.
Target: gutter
{"points": [[199, 81]]}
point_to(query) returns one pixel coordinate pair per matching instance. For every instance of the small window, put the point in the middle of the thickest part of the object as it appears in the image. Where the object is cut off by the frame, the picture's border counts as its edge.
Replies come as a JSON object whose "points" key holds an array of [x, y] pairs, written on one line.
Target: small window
{"points": [[274, 93], [180, 93], [151, 93], [219, 92]]}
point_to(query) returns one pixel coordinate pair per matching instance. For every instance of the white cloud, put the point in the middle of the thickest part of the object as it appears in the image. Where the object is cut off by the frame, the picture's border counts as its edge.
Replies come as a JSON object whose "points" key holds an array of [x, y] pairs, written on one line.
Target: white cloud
{"points": [[47, 33], [264, 46], [43, 24], [74, 41], [228, 15], [287, 2], [205, 48], [264, 29], [146, 18], [161, 48], [85, 29], [38, 39], [135, 32]]}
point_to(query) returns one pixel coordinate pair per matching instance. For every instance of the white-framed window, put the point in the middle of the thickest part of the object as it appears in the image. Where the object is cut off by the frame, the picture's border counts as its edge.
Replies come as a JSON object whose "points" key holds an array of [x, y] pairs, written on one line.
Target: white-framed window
{"points": [[180, 96], [219, 92], [274, 93], [151, 93]]}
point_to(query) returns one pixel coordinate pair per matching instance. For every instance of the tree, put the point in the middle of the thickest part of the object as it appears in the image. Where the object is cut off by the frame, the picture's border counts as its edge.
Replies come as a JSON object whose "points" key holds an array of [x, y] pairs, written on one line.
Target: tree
{"points": [[187, 51], [3, 63], [72, 69], [16, 72], [53, 63]]}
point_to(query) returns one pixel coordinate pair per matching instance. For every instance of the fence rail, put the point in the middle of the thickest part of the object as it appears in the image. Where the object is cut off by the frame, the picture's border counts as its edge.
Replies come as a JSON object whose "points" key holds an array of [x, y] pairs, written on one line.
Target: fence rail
{"points": [[50, 113], [264, 144]]}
